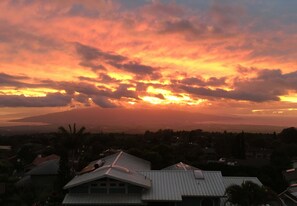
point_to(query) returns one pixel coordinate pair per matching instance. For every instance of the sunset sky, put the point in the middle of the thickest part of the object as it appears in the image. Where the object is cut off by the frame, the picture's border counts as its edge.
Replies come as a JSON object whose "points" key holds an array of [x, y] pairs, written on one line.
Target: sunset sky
{"points": [[209, 56]]}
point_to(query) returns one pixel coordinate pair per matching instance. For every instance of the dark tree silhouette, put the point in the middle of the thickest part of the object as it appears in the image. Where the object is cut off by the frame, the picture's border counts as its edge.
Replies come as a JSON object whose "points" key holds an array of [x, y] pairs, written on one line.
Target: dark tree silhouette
{"points": [[73, 141], [249, 194], [289, 135]]}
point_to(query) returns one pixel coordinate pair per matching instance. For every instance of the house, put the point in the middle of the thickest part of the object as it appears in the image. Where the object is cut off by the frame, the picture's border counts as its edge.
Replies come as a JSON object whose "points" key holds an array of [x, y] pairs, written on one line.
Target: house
{"points": [[290, 176], [42, 178], [41, 159], [123, 179], [289, 196]]}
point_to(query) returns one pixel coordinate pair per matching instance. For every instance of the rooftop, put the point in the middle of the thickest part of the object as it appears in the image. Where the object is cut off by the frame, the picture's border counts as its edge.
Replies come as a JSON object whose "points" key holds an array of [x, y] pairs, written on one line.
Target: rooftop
{"points": [[120, 166]]}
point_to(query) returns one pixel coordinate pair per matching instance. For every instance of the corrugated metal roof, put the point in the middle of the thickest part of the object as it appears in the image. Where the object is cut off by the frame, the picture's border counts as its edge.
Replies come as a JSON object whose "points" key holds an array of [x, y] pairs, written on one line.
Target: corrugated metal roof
{"points": [[123, 160], [49, 167], [119, 167], [84, 178], [180, 166], [105, 199], [172, 185], [228, 181], [133, 162]]}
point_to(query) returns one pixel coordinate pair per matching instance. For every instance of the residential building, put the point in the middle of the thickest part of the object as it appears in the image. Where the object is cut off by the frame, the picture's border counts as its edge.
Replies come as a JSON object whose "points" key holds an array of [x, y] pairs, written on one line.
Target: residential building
{"points": [[123, 179]]}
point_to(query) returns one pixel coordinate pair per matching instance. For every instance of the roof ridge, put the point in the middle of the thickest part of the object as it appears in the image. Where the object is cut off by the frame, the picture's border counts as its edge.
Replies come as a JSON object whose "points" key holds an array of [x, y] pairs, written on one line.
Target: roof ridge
{"points": [[113, 164]]}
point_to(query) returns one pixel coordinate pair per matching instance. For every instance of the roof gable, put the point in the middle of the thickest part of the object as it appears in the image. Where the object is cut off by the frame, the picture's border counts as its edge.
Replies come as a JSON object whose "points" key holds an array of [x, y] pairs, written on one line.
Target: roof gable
{"points": [[118, 166], [180, 166]]}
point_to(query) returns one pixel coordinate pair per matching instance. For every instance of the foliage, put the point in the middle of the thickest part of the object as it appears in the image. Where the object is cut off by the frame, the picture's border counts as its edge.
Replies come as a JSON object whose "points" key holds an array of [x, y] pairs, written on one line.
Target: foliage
{"points": [[289, 135], [249, 194]]}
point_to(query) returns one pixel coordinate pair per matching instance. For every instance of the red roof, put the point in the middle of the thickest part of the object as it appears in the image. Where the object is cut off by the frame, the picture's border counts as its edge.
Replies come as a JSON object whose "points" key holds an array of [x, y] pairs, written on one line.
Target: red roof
{"points": [[38, 160]]}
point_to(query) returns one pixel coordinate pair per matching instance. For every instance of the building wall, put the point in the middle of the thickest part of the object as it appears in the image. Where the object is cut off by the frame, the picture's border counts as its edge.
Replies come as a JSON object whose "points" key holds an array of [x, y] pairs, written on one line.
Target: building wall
{"points": [[199, 201], [107, 186], [43, 181]]}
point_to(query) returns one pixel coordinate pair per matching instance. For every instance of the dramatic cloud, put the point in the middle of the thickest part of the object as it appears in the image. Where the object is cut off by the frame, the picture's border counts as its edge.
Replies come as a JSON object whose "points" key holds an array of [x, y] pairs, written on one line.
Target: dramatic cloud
{"points": [[90, 54], [51, 100], [212, 56], [9, 80], [213, 81], [103, 102]]}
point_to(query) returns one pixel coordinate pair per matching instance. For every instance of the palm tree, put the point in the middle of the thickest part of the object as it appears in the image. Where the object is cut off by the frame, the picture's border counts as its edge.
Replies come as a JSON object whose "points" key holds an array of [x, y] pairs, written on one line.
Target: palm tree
{"points": [[249, 194], [73, 140]]}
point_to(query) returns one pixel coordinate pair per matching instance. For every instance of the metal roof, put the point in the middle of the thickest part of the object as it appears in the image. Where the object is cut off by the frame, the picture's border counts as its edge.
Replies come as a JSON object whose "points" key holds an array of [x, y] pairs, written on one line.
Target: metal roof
{"points": [[228, 181], [49, 167], [121, 159], [119, 167], [39, 159], [105, 199], [133, 162], [172, 185], [180, 166]]}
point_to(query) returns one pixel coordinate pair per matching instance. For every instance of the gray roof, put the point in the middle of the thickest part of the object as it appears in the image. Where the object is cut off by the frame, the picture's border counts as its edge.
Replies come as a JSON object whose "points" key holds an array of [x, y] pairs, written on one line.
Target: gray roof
{"points": [[49, 167], [172, 185], [26, 180], [228, 181], [119, 166], [123, 159], [106, 199], [181, 166]]}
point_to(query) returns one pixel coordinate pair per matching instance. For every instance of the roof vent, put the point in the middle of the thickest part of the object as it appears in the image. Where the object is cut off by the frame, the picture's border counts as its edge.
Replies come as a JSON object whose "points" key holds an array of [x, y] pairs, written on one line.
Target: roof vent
{"points": [[198, 174], [98, 164]]}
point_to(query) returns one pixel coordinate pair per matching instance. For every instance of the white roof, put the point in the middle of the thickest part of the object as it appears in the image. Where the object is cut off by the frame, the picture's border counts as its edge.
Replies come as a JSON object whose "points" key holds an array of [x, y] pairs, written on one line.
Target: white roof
{"points": [[120, 166]]}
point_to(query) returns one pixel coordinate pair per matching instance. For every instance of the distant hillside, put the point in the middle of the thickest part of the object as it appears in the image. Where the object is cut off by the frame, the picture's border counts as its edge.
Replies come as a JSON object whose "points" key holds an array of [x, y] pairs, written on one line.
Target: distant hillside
{"points": [[139, 120]]}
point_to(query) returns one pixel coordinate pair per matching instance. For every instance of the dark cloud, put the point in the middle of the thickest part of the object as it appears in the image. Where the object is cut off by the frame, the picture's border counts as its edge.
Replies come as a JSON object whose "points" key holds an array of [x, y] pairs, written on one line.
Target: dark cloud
{"points": [[190, 30], [90, 89], [102, 78], [134, 67], [178, 26], [90, 57], [78, 9], [268, 85], [95, 67], [213, 81], [50, 100], [12, 80], [18, 38], [226, 14], [198, 81], [236, 95], [107, 79], [268, 82], [122, 91], [82, 98], [245, 70], [160, 96], [164, 10], [89, 53], [103, 102]]}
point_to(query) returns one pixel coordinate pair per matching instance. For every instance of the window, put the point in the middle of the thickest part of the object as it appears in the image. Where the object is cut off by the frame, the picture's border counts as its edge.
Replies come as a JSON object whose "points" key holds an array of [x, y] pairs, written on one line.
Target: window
{"points": [[108, 186]]}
